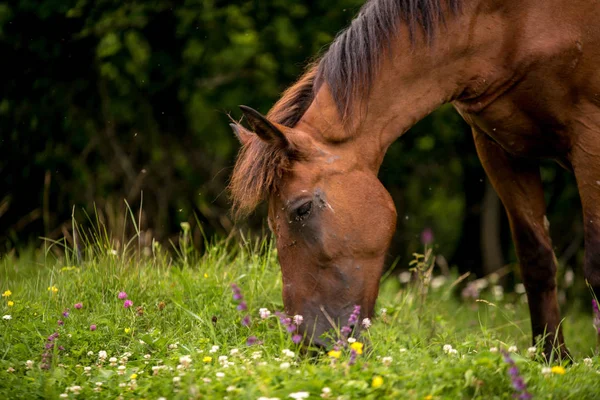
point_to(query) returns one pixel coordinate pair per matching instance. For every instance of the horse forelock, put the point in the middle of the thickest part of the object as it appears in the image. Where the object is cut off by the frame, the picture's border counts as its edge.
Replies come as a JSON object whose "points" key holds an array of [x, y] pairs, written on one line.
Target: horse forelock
{"points": [[260, 166]]}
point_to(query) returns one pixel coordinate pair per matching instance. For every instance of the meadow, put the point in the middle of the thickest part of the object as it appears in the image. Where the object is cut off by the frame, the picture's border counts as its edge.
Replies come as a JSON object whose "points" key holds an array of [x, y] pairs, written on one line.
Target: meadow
{"points": [[120, 324]]}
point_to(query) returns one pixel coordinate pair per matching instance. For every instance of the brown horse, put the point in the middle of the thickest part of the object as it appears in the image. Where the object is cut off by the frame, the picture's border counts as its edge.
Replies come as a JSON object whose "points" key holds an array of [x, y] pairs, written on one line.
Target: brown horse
{"points": [[524, 74]]}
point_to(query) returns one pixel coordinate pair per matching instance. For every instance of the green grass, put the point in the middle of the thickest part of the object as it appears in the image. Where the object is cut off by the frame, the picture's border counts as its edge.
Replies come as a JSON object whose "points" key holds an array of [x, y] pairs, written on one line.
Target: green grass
{"points": [[199, 313]]}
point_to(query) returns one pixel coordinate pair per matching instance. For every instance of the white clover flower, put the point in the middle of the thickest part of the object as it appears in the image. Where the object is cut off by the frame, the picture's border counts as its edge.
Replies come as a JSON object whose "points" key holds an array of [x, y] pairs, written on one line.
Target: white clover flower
{"points": [[493, 349], [298, 319], [75, 389], [383, 311], [403, 350], [588, 362], [185, 361], [234, 352], [326, 390], [222, 359], [173, 346], [176, 379], [10, 369], [447, 348], [513, 349], [63, 395], [206, 380], [264, 313], [299, 395], [99, 384], [351, 340], [102, 355], [122, 384], [452, 351], [90, 353], [532, 350], [404, 277], [288, 353], [230, 388], [366, 323], [220, 374], [147, 356], [29, 364], [519, 288], [387, 361], [546, 370], [256, 355], [214, 349], [87, 370], [438, 282], [284, 365]]}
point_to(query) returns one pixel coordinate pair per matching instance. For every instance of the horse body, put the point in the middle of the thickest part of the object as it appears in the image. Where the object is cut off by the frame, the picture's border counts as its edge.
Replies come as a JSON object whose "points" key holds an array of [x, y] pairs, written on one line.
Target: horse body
{"points": [[522, 74]]}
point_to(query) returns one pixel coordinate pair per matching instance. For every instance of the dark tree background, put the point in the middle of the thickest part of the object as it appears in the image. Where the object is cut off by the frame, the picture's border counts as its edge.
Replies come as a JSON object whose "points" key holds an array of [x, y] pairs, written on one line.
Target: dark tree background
{"points": [[108, 101]]}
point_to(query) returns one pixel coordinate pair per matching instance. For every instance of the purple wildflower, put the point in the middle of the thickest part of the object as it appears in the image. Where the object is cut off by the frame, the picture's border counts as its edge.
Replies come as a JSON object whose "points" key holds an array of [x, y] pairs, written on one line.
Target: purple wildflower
{"points": [[427, 236], [242, 306], [78, 306], [61, 348], [354, 316], [346, 330], [60, 322], [297, 338], [92, 327], [122, 295], [352, 359], [52, 336], [291, 328], [246, 320], [66, 313], [237, 293], [251, 340], [127, 303], [517, 381], [49, 345]]}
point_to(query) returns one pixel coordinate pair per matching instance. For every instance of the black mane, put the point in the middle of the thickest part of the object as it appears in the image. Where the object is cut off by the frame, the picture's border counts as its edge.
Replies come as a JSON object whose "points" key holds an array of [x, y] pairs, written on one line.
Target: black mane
{"points": [[353, 59]]}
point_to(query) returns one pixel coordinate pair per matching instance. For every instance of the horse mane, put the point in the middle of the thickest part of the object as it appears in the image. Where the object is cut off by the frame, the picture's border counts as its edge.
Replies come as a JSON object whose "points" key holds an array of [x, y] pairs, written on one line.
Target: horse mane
{"points": [[348, 67], [353, 59]]}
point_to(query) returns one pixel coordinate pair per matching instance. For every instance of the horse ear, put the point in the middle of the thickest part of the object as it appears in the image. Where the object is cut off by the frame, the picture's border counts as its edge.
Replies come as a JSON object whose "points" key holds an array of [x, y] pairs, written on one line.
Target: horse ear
{"points": [[264, 129], [242, 133]]}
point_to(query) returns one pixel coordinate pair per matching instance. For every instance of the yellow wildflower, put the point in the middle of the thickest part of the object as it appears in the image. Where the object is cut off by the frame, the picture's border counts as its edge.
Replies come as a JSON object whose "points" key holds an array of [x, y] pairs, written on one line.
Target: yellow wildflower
{"points": [[11, 303], [334, 353], [357, 347], [429, 397], [377, 381], [205, 275], [558, 370], [133, 377], [53, 289], [207, 359], [6, 293], [127, 330]]}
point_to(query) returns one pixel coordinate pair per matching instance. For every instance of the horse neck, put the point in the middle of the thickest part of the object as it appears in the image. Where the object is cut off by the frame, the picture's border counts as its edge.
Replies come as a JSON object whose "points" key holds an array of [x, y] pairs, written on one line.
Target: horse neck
{"points": [[414, 81]]}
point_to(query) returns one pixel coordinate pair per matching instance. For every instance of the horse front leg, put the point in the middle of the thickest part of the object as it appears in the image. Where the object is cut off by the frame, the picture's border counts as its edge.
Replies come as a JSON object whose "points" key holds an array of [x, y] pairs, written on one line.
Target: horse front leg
{"points": [[518, 184]]}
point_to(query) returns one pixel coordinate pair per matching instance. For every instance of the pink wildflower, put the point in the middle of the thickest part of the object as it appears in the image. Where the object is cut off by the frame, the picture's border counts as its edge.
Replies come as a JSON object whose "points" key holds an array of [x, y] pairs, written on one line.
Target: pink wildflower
{"points": [[127, 303], [78, 306], [92, 327], [122, 295]]}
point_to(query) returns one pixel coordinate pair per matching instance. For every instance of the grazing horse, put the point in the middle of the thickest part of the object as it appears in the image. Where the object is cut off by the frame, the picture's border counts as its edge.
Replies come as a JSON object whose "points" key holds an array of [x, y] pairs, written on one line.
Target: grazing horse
{"points": [[524, 75]]}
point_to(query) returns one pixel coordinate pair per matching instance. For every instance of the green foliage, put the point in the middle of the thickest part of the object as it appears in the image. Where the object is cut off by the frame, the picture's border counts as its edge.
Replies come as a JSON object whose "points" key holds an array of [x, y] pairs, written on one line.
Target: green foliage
{"points": [[183, 307]]}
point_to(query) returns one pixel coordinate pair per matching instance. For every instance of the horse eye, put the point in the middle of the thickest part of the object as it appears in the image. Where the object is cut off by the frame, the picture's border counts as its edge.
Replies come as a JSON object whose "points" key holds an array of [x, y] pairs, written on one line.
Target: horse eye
{"points": [[303, 211]]}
